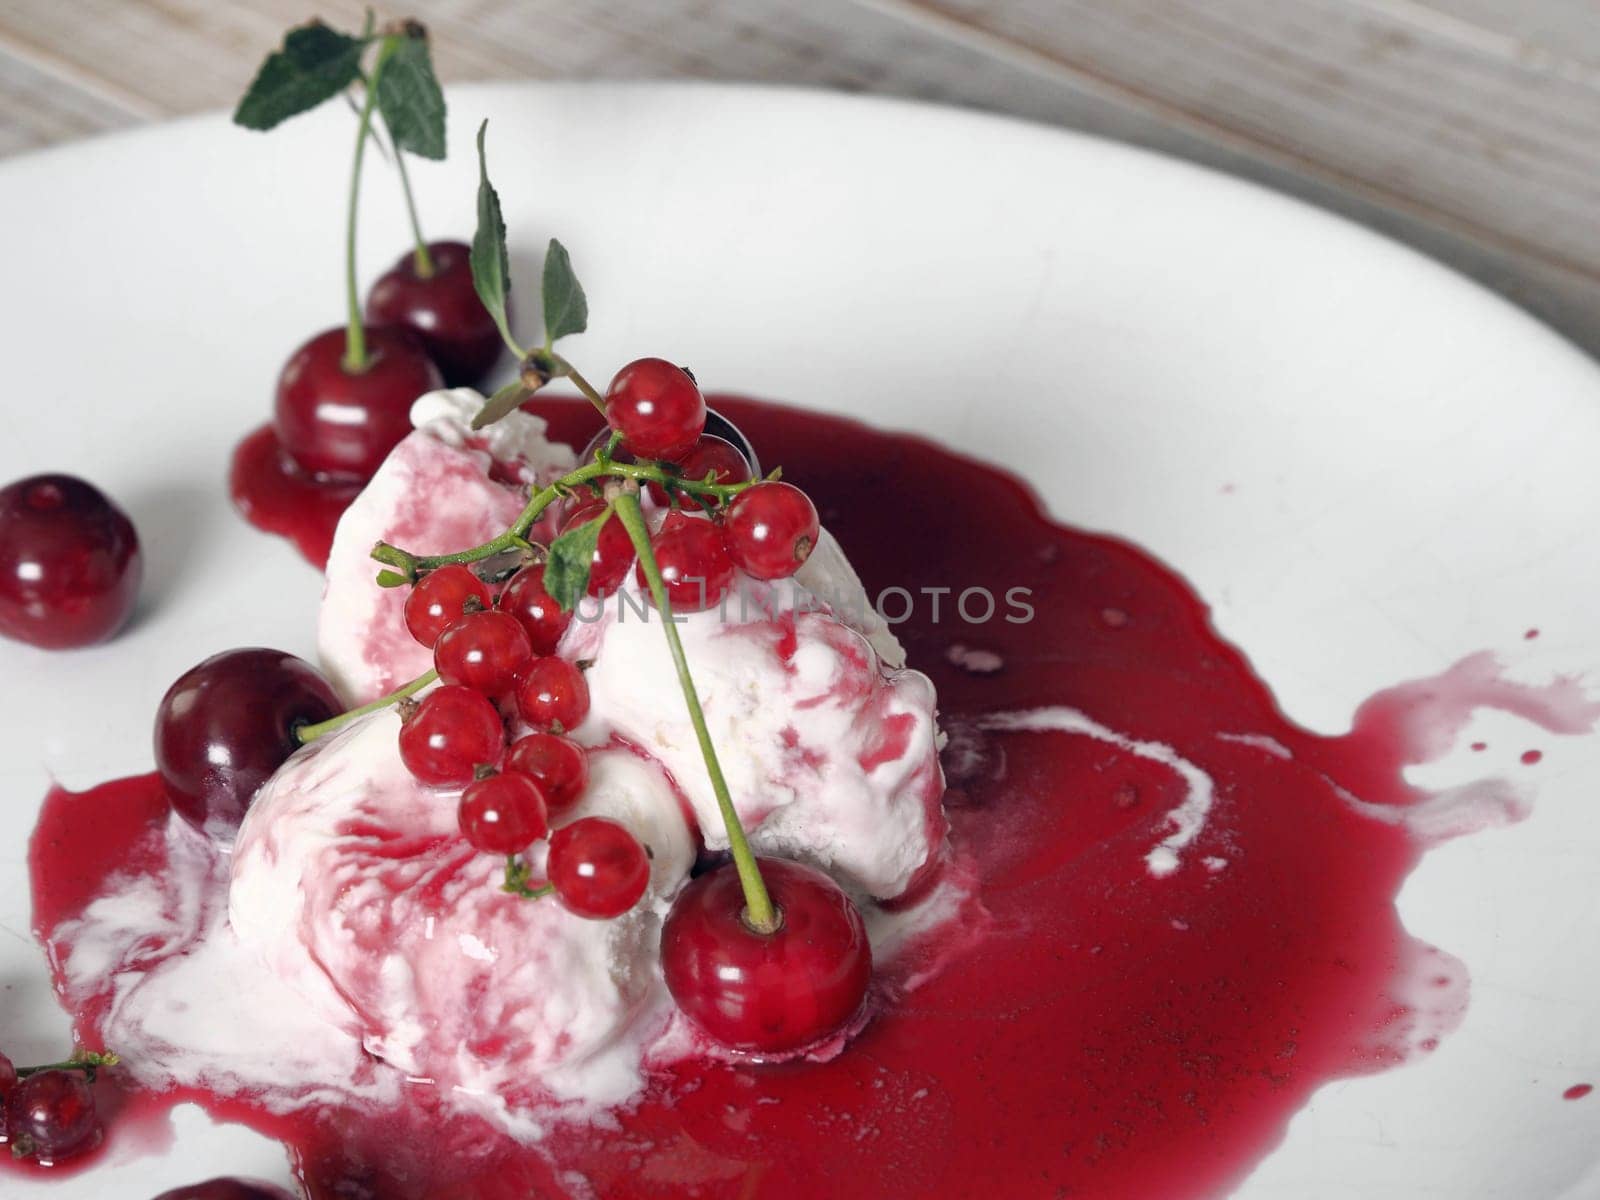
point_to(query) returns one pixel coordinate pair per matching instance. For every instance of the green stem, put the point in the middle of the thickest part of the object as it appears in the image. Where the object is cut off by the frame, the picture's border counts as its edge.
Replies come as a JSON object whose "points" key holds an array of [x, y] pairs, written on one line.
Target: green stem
{"points": [[355, 339], [310, 733], [759, 912], [87, 1062], [563, 367], [422, 259], [515, 538]]}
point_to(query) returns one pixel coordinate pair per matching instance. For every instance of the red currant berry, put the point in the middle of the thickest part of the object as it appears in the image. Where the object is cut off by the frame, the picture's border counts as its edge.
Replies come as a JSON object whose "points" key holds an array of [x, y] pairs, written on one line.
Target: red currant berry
{"points": [[771, 529], [767, 993], [442, 310], [70, 564], [229, 1188], [503, 814], [342, 424], [598, 868], [713, 456], [656, 407], [483, 650], [540, 616], [553, 695], [557, 764], [54, 1110], [228, 724], [454, 731], [613, 550], [439, 600], [694, 563]]}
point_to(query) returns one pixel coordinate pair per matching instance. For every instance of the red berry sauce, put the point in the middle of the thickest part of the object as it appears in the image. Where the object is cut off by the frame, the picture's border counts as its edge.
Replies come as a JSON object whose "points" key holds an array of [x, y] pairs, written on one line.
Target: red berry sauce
{"points": [[276, 496], [1090, 1029]]}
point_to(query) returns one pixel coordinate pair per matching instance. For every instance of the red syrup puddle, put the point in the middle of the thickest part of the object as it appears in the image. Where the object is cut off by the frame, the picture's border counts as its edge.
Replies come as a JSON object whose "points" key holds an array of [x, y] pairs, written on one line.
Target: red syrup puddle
{"points": [[1100, 1031], [1577, 1091], [277, 497]]}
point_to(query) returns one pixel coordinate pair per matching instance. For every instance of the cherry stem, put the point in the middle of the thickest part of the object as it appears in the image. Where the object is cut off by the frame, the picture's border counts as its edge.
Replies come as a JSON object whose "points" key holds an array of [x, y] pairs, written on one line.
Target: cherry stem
{"points": [[310, 733], [355, 338], [759, 912], [421, 258], [409, 565]]}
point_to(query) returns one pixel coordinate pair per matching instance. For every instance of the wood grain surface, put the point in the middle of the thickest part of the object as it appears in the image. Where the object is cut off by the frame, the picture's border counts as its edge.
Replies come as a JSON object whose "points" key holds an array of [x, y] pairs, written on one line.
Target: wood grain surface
{"points": [[1469, 128]]}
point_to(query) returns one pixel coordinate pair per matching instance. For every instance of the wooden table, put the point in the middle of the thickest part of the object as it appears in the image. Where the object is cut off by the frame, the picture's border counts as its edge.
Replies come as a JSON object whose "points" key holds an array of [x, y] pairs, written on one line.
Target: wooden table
{"points": [[1469, 128]]}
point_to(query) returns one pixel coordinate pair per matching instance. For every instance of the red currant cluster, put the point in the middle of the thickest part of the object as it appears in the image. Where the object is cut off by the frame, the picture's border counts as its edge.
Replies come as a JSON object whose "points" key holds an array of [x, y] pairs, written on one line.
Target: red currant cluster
{"points": [[48, 1113], [491, 654]]}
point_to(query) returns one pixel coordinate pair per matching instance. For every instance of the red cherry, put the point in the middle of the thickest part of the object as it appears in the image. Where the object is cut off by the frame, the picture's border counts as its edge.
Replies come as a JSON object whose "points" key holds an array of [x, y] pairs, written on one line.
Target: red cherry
{"points": [[228, 1188], [553, 695], [70, 564], [613, 550], [771, 530], [454, 731], [483, 650], [439, 600], [227, 724], [695, 567], [503, 814], [540, 616], [772, 993], [598, 868], [8, 1079], [442, 310], [55, 1111], [557, 764], [341, 424], [713, 456], [656, 407]]}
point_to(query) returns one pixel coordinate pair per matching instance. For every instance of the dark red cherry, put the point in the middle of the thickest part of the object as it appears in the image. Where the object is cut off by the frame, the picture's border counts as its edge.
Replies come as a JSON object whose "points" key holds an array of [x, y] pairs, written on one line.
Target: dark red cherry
{"points": [[656, 407], [553, 695], [483, 650], [228, 724], [557, 764], [713, 456], [773, 993], [695, 568], [342, 424], [534, 608], [54, 1111], [8, 1081], [771, 529], [443, 310], [454, 731], [613, 550], [598, 868], [439, 600], [70, 564], [227, 1188], [503, 814]]}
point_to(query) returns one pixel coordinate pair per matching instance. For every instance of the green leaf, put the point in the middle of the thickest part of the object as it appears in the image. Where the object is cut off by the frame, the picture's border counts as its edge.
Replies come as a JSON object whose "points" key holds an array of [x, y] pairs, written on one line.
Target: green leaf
{"points": [[504, 402], [566, 573], [491, 268], [314, 64], [566, 308], [410, 99]]}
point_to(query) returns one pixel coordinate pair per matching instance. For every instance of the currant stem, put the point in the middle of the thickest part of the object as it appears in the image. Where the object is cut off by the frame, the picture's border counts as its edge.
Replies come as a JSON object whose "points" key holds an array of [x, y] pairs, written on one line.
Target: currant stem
{"points": [[758, 909], [563, 367], [421, 258], [355, 339], [88, 1062], [310, 733]]}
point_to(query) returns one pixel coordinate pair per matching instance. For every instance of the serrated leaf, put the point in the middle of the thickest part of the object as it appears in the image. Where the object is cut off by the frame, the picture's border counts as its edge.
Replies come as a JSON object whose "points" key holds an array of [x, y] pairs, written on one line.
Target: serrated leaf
{"points": [[504, 402], [566, 308], [410, 99], [566, 573], [314, 64], [491, 267]]}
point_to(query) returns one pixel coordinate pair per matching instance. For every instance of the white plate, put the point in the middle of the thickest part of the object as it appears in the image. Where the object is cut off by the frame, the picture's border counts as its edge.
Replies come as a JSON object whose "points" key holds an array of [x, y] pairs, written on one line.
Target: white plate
{"points": [[1369, 466]]}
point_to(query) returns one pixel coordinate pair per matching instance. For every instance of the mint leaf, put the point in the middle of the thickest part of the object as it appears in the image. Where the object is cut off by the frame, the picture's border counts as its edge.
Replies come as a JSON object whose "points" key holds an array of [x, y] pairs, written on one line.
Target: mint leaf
{"points": [[566, 308], [491, 269], [314, 64], [566, 573], [504, 402], [410, 100]]}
